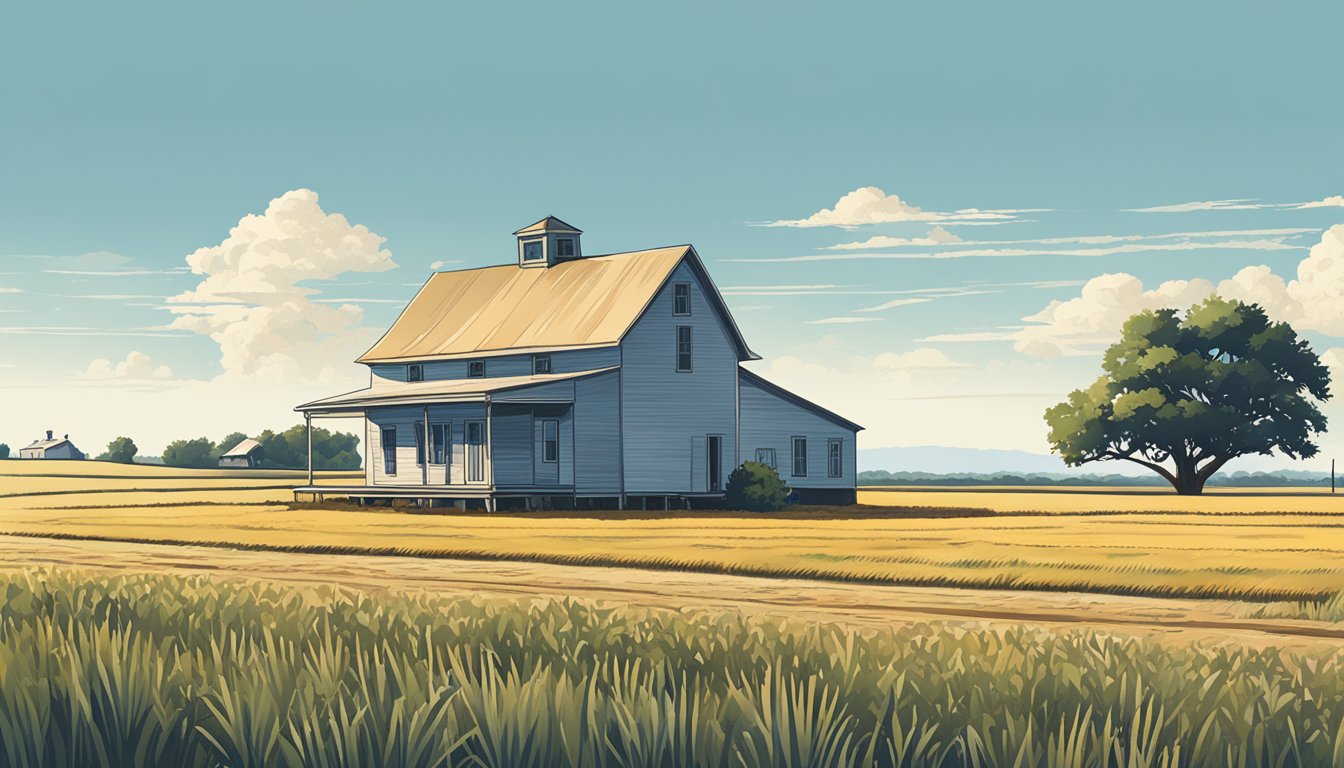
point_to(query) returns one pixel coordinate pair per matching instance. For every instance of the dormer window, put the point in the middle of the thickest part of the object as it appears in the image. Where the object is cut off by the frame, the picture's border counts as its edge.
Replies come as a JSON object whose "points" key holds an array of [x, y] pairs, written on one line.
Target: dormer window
{"points": [[532, 250], [415, 372], [564, 247], [476, 369]]}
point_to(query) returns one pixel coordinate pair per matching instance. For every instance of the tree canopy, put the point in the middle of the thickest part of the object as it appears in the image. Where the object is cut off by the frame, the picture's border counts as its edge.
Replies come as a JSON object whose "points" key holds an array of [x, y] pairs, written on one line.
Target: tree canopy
{"points": [[289, 449], [1184, 395], [197, 453], [121, 450]]}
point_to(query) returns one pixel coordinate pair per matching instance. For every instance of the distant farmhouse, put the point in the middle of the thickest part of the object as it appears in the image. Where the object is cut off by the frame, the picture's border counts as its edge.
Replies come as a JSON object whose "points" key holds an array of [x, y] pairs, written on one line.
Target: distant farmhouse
{"points": [[52, 448], [568, 378], [241, 456]]}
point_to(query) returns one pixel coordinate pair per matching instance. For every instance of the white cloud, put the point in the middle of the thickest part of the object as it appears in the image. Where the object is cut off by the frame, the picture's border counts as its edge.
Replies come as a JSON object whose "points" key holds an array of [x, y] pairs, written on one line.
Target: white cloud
{"points": [[3, 289], [1237, 204], [936, 236], [1087, 323], [921, 359], [1264, 244], [841, 320], [1333, 201], [252, 301], [894, 303], [882, 241], [137, 365], [872, 205], [967, 337]]}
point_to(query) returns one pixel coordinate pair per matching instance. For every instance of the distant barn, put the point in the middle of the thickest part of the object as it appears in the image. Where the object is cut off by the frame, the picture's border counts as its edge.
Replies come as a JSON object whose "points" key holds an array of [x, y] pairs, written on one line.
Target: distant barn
{"points": [[241, 456], [52, 448]]}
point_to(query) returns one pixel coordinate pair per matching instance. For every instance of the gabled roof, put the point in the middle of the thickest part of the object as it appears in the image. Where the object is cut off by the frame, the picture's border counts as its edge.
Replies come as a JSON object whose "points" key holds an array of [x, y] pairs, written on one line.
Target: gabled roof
{"points": [[439, 391], [549, 224], [785, 394], [588, 302], [241, 450], [46, 445]]}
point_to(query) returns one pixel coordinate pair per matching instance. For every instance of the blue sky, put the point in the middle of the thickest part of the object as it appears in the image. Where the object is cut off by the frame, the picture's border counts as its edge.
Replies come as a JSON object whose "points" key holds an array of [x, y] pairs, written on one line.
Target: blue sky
{"points": [[134, 136]]}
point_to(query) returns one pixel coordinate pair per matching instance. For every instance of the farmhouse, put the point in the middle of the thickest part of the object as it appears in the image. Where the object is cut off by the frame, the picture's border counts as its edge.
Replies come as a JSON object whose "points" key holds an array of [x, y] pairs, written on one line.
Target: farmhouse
{"points": [[241, 456], [568, 378], [51, 448]]}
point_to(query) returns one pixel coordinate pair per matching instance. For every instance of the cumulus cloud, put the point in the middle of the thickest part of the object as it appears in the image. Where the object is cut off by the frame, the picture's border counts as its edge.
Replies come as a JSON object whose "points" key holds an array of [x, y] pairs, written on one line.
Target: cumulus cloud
{"points": [[1087, 323], [253, 302], [872, 205], [136, 366]]}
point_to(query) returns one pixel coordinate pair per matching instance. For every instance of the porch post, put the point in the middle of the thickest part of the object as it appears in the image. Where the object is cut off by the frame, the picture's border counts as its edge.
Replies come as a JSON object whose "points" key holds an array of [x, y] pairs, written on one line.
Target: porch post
{"points": [[490, 501], [308, 424], [424, 468]]}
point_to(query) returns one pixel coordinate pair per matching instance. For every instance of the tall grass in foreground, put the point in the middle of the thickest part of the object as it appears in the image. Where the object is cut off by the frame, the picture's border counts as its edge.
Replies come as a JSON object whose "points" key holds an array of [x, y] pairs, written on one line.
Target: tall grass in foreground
{"points": [[165, 670]]}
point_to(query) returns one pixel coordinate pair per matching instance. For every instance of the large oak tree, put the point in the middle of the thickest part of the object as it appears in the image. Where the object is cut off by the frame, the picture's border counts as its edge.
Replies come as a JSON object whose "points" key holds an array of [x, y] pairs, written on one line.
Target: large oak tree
{"points": [[1184, 395]]}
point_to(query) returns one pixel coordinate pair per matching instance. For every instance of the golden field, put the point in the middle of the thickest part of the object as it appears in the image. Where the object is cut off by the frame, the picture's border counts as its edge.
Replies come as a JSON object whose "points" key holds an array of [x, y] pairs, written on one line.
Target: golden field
{"points": [[1241, 545]]}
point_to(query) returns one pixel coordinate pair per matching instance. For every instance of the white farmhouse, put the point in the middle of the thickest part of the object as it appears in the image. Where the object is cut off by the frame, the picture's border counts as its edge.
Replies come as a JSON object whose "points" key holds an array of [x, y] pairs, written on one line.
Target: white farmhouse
{"points": [[567, 378], [52, 448]]}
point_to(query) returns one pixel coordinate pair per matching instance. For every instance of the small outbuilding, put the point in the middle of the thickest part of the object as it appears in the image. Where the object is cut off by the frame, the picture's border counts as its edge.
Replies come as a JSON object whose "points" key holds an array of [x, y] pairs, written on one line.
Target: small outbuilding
{"points": [[244, 455], [52, 447]]}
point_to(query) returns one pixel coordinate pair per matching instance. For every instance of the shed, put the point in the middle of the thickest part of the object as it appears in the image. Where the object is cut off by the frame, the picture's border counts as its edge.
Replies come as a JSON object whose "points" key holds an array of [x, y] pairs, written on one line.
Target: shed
{"points": [[51, 447], [244, 455]]}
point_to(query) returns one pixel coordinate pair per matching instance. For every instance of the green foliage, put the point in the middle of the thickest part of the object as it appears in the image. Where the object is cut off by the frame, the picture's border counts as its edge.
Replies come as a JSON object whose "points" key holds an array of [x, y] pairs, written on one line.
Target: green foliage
{"points": [[189, 671], [289, 449], [197, 453], [1183, 396], [756, 487], [4, 451], [121, 450]]}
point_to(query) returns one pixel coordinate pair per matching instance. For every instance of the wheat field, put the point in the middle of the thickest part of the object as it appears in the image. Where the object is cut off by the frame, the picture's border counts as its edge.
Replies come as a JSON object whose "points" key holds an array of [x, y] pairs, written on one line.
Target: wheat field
{"points": [[1204, 550]]}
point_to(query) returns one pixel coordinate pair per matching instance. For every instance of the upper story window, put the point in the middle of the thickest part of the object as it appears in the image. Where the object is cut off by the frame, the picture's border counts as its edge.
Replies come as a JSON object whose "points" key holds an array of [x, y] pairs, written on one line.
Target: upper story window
{"points": [[415, 372], [564, 246], [476, 369], [683, 349], [681, 298], [532, 250], [541, 364]]}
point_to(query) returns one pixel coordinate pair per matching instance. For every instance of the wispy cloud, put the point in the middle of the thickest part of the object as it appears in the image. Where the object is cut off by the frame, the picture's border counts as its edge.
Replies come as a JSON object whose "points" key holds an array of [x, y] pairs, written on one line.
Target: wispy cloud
{"points": [[64, 330], [936, 236], [117, 272], [968, 337], [872, 205], [1249, 245], [841, 320], [359, 301], [4, 289], [897, 242], [1238, 204]]}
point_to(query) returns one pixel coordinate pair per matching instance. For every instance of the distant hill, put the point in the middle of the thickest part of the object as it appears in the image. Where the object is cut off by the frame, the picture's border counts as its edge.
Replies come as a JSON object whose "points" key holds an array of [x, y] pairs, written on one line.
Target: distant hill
{"points": [[942, 459]]}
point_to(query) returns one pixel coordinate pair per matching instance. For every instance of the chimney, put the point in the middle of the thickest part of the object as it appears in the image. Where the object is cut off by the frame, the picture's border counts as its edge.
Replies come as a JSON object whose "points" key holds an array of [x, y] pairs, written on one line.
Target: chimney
{"points": [[48, 434], [67, 437]]}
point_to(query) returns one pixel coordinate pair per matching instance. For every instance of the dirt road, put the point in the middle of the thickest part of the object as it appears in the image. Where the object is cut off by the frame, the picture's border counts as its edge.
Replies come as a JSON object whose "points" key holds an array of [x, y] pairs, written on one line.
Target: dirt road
{"points": [[854, 604]]}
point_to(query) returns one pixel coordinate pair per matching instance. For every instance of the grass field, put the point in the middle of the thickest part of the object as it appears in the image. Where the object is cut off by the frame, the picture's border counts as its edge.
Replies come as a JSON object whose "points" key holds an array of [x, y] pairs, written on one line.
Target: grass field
{"points": [[189, 671], [1212, 547]]}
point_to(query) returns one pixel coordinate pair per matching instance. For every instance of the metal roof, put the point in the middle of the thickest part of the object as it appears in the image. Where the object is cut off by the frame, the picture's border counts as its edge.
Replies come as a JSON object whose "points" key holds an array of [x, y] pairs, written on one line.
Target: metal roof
{"points": [[588, 302], [45, 444], [241, 450], [440, 391]]}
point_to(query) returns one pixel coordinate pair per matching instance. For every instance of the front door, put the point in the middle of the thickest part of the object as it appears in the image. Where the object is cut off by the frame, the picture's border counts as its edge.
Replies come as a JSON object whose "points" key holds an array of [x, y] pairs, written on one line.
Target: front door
{"points": [[475, 444], [714, 455]]}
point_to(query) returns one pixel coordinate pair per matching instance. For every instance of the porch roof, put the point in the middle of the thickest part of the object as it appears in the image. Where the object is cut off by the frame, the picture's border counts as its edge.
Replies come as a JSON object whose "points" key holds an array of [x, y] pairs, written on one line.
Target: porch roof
{"points": [[440, 391]]}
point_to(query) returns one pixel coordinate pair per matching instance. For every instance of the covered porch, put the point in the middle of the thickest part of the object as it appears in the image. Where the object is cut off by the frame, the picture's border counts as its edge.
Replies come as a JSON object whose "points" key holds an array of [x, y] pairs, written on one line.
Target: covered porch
{"points": [[461, 442]]}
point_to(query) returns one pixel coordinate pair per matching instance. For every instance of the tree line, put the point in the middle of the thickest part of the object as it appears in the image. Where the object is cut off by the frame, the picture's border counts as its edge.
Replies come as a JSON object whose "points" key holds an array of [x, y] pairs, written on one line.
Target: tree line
{"points": [[287, 449]]}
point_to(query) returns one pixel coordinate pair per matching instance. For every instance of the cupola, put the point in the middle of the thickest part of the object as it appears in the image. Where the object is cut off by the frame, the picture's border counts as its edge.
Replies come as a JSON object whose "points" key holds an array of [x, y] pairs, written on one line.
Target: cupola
{"points": [[547, 243]]}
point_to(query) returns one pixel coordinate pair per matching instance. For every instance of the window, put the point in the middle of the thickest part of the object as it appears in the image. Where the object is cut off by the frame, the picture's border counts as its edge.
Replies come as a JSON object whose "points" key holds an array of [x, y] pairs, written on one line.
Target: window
{"points": [[834, 463], [415, 372], [476, 369], [532, 250], [564, 247], [800, 457], [766, 456], [541, 364], [683, 349], [419, 443], [390, 450], [437, 433], [681, 298], [550, 441]]}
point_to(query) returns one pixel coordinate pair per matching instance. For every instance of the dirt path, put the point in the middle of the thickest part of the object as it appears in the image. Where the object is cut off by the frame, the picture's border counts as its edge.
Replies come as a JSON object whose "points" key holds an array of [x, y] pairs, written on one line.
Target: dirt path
{"points": [[861, 605]]}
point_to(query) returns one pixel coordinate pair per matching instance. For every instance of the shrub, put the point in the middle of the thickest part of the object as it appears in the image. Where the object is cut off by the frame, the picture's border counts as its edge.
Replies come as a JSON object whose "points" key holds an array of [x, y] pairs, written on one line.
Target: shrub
{"points": [[756, 487], [121, 450]]}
